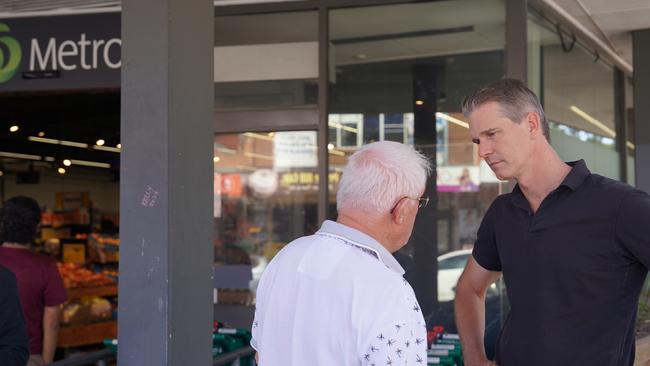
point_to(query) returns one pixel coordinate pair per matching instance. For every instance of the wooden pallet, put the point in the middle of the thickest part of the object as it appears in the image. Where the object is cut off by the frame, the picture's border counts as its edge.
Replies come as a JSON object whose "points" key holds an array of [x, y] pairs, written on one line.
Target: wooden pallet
{"points": [[81, 335]]}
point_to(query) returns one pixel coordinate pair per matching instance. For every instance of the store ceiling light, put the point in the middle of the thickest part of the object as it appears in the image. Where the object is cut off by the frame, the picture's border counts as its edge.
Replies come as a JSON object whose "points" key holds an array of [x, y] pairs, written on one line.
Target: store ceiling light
{"points": [[19, 156], [41, 134], [100, 142], [14, 128], [119, 146], [67, 162], [50, 159], [216, 159], [93, 164], [258, 136], [451, 119], [74, 144], [592, 120], [57, 142], [419, 102], [107, 148], [61, 171], [330, 146]]}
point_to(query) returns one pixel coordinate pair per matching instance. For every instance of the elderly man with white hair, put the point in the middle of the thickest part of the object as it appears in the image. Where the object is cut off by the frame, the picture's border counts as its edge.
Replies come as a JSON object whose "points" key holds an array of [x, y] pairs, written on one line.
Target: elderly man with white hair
{"points": [[338, 297]]}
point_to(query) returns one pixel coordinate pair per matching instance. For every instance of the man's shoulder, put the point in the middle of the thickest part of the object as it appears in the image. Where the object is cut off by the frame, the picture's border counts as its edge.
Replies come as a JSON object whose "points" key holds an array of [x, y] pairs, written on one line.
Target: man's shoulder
{"points": [[607, 188]]}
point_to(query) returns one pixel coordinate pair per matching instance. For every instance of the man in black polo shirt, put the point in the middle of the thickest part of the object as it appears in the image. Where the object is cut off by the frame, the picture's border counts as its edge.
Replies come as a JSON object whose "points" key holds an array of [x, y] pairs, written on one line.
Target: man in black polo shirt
{"points": [[573, 247]]}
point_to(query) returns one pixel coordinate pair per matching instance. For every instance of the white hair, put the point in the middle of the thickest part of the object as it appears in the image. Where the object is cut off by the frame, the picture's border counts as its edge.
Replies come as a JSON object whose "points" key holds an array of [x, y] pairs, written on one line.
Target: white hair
{"points": [[379, 174]]}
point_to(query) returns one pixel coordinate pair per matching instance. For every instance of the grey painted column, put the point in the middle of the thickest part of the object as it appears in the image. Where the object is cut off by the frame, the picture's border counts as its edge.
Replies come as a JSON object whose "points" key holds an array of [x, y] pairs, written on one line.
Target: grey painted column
{"points": [[516, 39], [641, 47], [165, 295]]}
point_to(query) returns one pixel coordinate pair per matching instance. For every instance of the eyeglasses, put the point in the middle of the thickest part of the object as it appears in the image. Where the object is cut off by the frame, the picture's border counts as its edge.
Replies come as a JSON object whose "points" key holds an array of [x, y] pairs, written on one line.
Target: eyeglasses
{"points": [[422, 202]]}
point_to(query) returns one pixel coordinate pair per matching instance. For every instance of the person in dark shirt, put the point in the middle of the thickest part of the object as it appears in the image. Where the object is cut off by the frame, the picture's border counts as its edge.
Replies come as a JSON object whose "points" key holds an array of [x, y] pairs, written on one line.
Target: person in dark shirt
{"points": [[13, 334], [40, 286], [573, 247]]}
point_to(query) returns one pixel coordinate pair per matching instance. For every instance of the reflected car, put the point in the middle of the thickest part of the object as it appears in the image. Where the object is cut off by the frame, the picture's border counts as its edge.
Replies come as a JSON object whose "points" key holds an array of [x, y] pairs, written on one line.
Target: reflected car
{"points": [[450, 267]]}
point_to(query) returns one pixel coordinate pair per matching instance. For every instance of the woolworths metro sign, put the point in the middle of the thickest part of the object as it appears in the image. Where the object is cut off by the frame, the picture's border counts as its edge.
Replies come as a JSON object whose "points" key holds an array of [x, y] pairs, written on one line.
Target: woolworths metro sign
{"points": [[10, 56], [60, 52]]}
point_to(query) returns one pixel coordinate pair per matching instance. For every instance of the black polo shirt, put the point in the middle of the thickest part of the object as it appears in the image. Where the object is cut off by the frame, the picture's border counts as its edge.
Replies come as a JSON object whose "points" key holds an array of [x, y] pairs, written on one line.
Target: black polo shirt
{"points": [[573, 270]]}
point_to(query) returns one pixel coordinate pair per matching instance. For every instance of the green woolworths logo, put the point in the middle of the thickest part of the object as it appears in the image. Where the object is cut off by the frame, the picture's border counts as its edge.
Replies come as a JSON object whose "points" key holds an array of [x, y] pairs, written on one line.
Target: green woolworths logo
{"points": [[8, 62]]}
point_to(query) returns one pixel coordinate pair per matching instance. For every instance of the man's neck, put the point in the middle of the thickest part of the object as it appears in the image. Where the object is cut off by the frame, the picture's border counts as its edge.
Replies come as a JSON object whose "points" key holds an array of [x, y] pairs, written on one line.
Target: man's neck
{"points": [[368, 226], [543, 176]]}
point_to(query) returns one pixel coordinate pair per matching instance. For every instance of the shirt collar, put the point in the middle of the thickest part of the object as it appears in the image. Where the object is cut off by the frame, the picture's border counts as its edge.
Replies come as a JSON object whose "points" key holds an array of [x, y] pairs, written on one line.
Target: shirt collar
{"points": [[577, 175], [362, 240], [579, 172]]}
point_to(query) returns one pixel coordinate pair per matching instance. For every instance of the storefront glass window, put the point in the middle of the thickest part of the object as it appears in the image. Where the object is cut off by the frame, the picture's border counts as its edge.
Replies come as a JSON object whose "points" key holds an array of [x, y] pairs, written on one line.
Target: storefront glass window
{"points": [[265, 195], [265, 177], [399, 73], [266, 60], [577, 90]]}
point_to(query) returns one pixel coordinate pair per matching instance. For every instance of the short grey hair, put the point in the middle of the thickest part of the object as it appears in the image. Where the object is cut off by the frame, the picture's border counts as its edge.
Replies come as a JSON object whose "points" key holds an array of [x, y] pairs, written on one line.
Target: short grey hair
{"points": [[514, 97], [379, 174]]}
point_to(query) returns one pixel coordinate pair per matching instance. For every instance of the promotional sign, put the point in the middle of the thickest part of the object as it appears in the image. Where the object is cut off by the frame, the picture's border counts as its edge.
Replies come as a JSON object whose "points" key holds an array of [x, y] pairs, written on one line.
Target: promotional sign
{"points": [[60, 52], [458, 179], [295, 150]]}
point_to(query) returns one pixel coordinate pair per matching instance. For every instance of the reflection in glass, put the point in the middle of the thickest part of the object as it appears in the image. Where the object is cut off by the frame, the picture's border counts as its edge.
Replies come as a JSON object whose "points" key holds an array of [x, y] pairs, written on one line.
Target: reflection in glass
{"points": [[265, 195], [577, 90], [404, 83]]}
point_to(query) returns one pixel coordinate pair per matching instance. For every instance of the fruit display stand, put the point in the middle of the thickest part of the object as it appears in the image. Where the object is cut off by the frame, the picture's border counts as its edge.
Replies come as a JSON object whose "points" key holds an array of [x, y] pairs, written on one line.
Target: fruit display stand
{"points": [[83, 285]]}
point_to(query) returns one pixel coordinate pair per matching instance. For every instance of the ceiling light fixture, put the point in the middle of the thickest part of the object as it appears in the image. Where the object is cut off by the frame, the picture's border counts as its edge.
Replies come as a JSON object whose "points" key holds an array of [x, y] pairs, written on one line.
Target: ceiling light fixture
{"points": [[74, 144], [451, 119], [100, 142], [258, 136], [593, 121], [61, 171], [93, 164], [41, 134], [67, 162], [330, 146], [119, 146], [2, 173], [57, 142], [13, 128], [216, 159], [107, 148], [19, 156], [419, 102]]}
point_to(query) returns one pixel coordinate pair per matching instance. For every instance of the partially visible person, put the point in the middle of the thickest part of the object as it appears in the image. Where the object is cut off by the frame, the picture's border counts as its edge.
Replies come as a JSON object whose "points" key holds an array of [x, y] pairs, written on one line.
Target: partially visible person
{"points": [[39, 283], [338, 297], [573, 247], [13, 334]]}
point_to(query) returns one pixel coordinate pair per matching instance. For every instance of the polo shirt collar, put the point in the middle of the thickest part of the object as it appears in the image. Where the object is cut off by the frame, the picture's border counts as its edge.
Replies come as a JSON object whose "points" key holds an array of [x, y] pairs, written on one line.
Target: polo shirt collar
{"points": [[579, 172], [577, 175], [361, 240]]}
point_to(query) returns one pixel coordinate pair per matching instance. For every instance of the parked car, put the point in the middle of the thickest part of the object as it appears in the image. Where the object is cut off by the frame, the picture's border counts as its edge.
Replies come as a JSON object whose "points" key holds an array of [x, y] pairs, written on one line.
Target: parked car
{"points": [[450, 267]]}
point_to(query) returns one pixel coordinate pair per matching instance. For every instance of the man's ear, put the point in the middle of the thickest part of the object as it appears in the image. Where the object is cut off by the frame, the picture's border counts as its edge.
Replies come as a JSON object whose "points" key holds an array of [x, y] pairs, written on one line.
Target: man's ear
{"points": [[534, 123], [398, 213]]}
